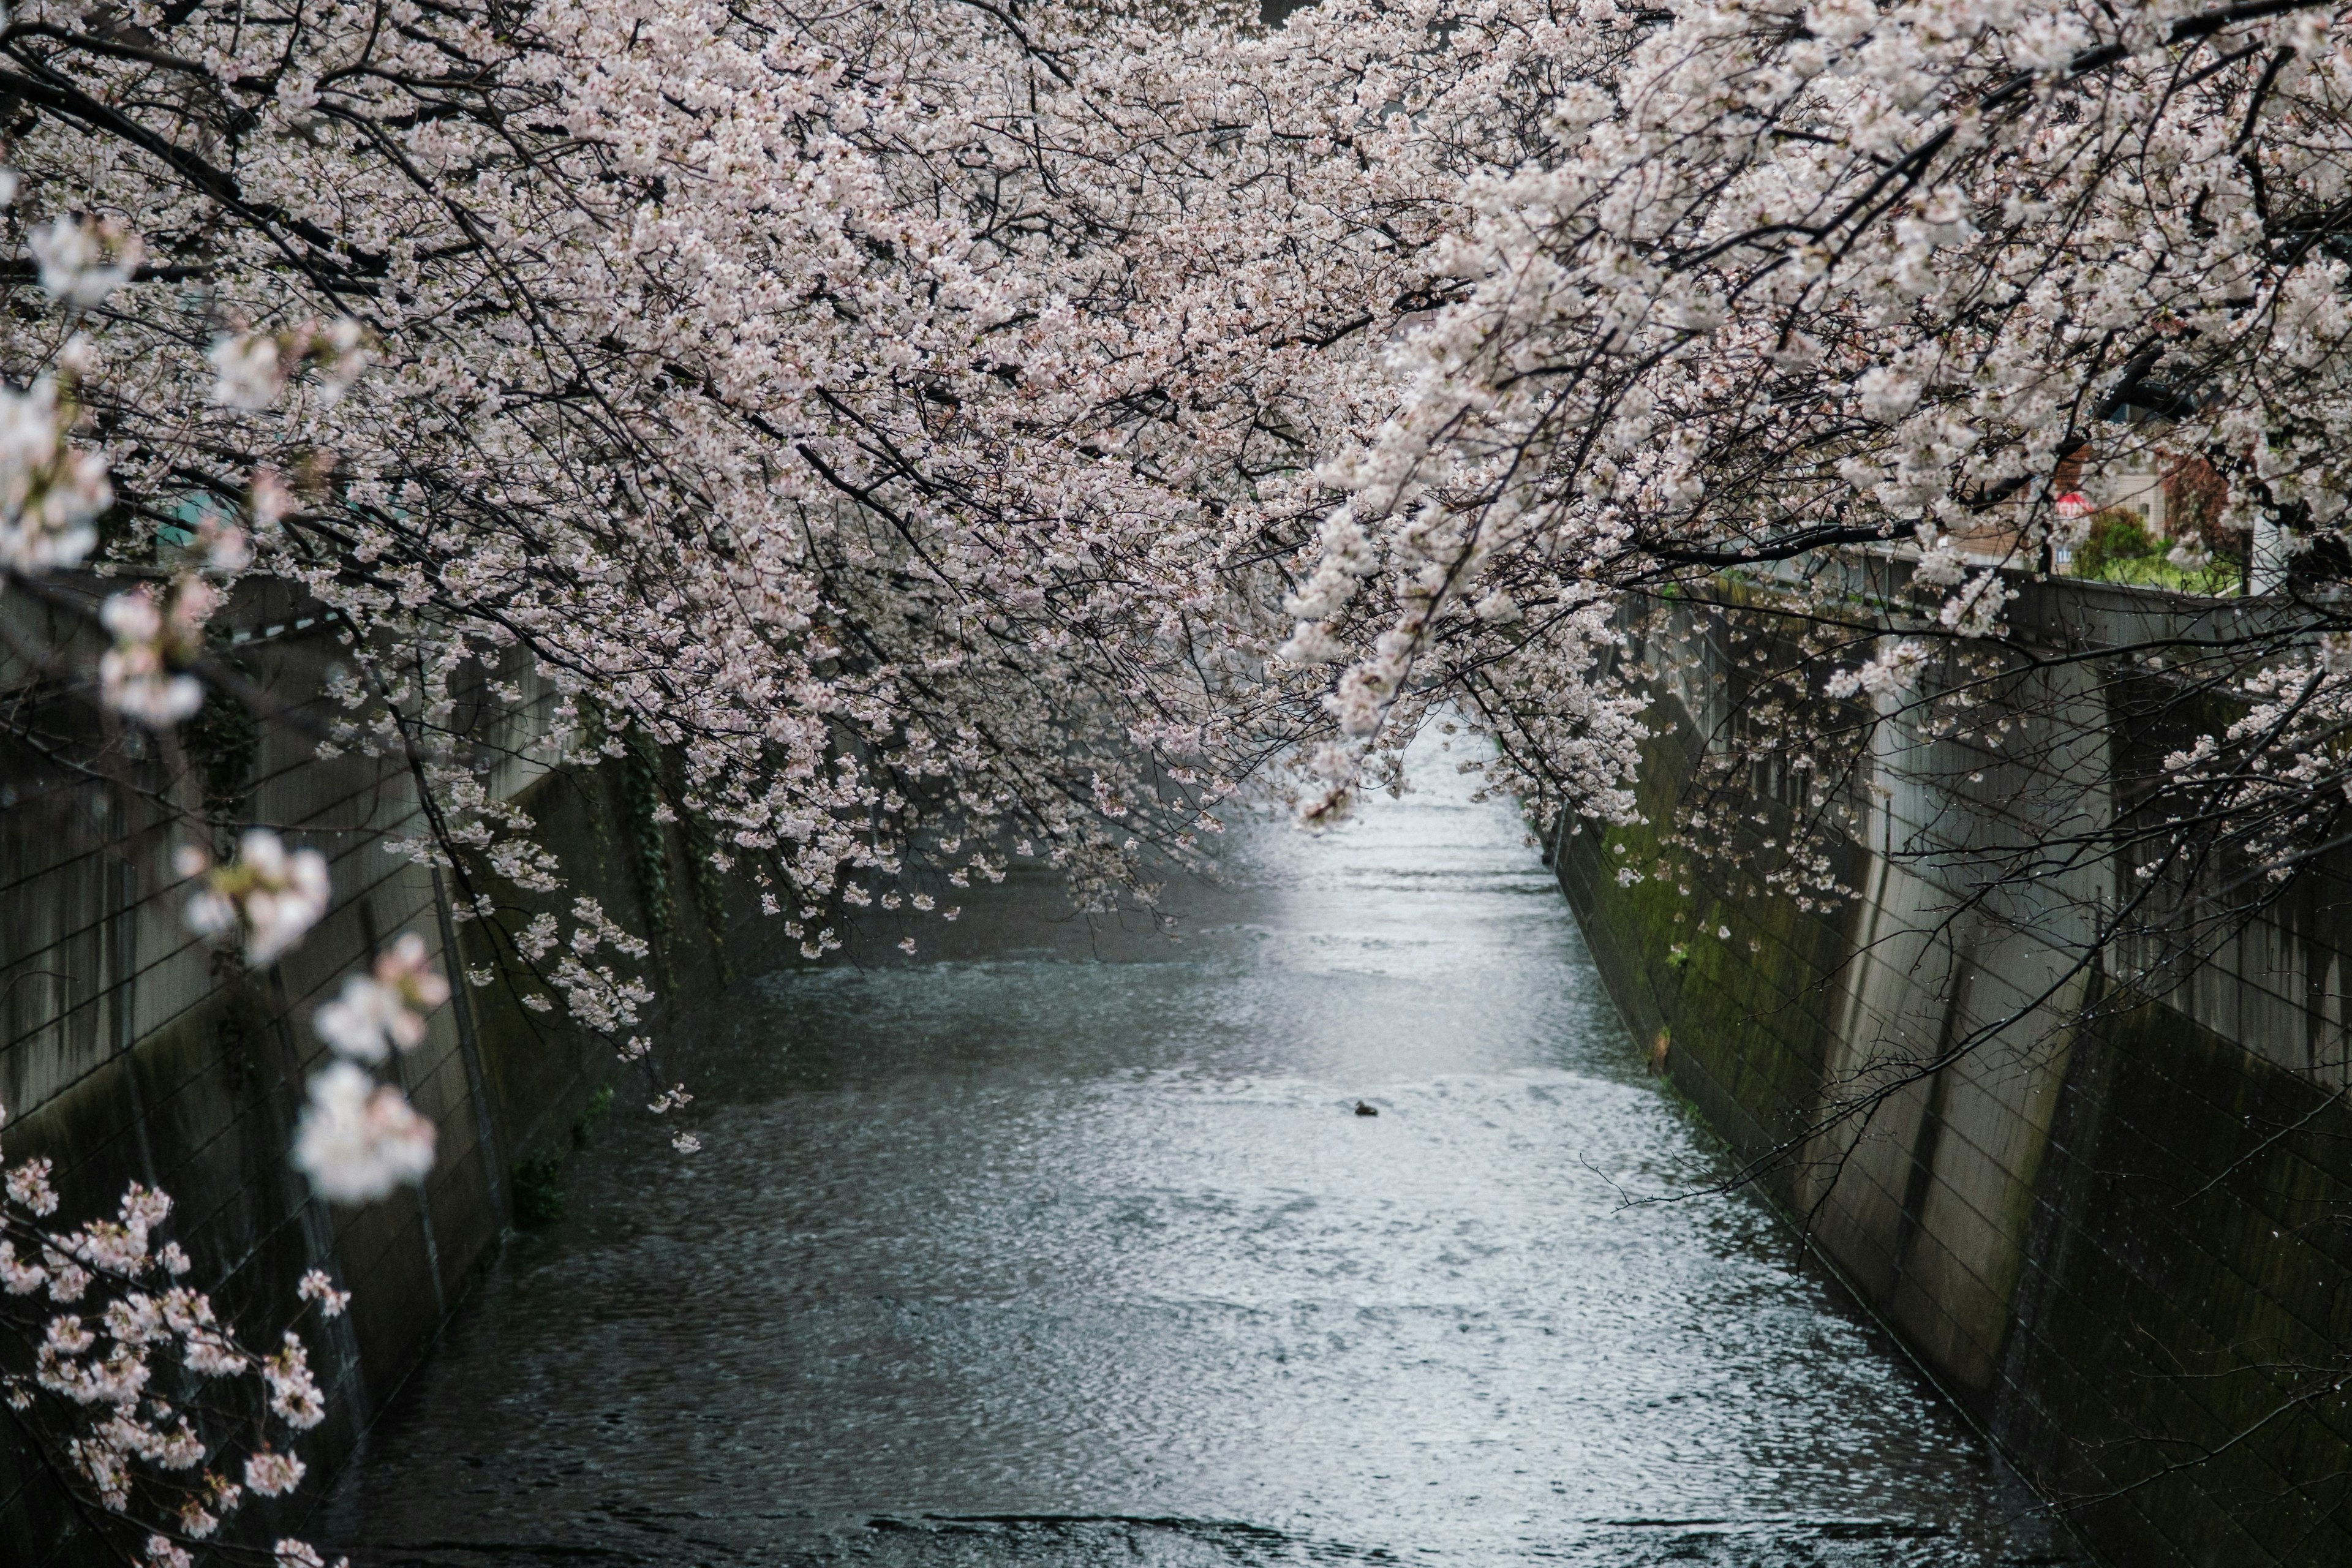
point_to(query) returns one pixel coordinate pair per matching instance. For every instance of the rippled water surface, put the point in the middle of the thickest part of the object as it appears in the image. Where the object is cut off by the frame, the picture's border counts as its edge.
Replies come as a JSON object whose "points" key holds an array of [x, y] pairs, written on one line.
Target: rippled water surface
{"points": [[1069, 1248]]}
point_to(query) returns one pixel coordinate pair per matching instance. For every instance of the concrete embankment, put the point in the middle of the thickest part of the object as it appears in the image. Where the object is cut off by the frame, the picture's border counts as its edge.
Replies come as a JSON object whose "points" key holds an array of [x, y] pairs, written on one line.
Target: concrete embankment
{"points": [[132, 1051], [2121, 1244]]}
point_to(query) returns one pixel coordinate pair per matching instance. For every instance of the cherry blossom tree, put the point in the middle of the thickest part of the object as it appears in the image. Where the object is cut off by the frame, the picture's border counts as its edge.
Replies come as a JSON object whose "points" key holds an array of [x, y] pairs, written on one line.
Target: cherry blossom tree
{"points": [[907, 427], [957, 433], [1814, 314], [1763, 374], [901, 422], [861, 425]]}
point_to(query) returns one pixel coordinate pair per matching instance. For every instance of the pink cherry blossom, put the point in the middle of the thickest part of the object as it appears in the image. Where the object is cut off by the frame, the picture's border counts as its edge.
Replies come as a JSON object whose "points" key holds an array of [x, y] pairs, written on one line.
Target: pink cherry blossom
{"points": [[270, 894], [385, 1009], [358, 1140]]}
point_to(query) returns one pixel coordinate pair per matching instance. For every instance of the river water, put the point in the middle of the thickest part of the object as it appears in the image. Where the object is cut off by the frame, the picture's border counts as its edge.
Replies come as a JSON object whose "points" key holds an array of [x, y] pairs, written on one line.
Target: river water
{"points": [[1057, 1247]]}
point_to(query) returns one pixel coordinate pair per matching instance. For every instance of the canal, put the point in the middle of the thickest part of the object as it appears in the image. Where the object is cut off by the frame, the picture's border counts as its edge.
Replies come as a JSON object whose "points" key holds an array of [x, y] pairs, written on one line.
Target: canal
{"points": [[1059, 1246]]}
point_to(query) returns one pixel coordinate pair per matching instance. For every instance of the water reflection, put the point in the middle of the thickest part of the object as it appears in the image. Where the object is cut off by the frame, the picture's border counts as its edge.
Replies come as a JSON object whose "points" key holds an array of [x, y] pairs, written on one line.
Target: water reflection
{"points": [[1066, 1248]]}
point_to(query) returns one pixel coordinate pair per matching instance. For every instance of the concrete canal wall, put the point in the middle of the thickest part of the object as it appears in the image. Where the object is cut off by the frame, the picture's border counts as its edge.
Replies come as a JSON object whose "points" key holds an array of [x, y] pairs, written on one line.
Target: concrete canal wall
{"points": [[2123, 1247], [129, 1051]]}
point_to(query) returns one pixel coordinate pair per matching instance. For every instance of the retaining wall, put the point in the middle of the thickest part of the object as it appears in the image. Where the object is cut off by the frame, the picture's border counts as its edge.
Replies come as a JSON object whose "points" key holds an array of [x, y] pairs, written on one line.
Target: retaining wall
{"points": [[2123, 1247], [129, 1050]]}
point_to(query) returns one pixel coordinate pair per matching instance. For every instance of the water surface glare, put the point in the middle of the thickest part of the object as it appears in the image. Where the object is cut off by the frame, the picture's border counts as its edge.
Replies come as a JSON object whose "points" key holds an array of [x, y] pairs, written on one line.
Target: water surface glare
{"points": [[1059, 1248]]}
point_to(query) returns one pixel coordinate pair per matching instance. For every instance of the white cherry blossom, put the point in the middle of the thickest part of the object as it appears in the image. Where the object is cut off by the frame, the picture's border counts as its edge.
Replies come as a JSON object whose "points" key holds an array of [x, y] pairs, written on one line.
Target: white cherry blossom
{"points": [[385, 1009], [51, 492], [359, 1139], [268, 893], [151, 1460], [154, 636], [82, 261]]}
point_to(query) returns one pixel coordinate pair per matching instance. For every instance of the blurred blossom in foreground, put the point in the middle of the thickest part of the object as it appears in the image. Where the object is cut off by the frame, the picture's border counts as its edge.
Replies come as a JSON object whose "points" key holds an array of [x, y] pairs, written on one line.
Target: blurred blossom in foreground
{"points": [[82, 262], [360, 1139], [251, 369], [50, 493], [155, 636], [271, 895], [386, 1009]]}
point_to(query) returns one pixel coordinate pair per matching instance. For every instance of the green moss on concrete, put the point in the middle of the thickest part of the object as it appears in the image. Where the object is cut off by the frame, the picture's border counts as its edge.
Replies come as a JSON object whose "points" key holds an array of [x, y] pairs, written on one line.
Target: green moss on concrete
{"points": [[2181, 1325], [2182, 1295], [1751, 1014]]}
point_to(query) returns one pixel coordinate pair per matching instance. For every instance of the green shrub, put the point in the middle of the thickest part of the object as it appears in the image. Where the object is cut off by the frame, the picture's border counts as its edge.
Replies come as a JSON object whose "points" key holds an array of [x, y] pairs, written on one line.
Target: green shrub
{"points": [[2116, 536], [591, 1113], [539, 1188]]}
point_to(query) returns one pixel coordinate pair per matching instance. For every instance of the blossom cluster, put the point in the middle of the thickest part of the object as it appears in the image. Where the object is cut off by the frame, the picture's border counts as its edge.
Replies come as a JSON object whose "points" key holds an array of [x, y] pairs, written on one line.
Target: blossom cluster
{"points": [[270, 896], [51, 491], [1773, 291], [103, 1312]]}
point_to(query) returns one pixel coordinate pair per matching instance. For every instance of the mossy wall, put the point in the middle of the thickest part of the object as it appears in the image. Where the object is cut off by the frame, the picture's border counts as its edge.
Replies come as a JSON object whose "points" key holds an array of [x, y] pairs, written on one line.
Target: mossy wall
{"points": [[2123, 1248]]}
